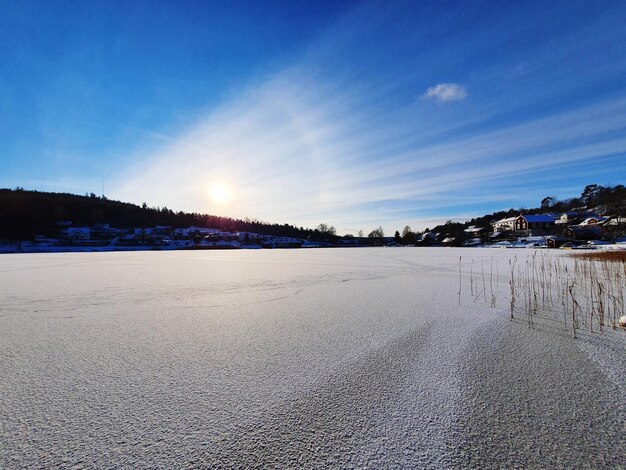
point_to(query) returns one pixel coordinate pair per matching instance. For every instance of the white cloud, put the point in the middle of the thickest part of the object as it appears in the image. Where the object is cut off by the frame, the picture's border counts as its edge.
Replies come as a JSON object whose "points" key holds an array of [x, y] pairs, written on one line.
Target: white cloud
{"points": [[445, 92]]}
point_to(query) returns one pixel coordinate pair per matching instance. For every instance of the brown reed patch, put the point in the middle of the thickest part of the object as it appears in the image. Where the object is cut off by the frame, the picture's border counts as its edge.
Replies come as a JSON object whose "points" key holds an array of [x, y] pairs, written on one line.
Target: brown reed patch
{"points": [[601, 255]]}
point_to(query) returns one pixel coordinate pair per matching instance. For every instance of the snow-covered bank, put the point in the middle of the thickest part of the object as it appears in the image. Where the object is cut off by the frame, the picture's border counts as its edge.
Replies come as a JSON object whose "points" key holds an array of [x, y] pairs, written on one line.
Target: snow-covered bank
{"points": [[297, 358]]}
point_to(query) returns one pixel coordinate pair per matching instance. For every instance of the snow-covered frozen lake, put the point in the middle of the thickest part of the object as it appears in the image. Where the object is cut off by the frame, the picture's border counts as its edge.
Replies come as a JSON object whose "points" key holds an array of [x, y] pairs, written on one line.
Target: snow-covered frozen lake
{"points": [[314, 358]]}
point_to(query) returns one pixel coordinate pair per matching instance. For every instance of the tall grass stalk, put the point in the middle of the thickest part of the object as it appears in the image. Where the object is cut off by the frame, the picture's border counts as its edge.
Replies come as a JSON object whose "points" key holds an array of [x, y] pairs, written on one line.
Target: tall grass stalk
{"points": [[589, 290]]}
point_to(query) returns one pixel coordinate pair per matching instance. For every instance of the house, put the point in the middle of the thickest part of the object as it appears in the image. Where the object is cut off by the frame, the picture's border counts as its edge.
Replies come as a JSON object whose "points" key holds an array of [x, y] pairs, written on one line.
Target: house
{"points": [[585, 233], [523, 223], [281, 242], [448, 241], [593, 220], [573, 218], [540, 221], [473, 231], [219, 235], [569, 218], [106, 232], [507, 225], [614, 226], [474, 235], [556, 242], [427, 238], [76, 233], [192, 231]]}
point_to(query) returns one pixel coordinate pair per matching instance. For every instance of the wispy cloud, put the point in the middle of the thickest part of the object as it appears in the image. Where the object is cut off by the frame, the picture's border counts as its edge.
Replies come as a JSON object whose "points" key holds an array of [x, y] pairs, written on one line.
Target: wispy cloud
{"points": [[295, 151], [320, 142], [445, 92]]}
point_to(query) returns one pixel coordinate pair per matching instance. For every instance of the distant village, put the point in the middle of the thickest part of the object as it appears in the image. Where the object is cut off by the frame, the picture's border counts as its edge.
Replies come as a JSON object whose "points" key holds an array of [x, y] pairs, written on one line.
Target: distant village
{"points": [[32, 221], [105, 237], [567, 230]]}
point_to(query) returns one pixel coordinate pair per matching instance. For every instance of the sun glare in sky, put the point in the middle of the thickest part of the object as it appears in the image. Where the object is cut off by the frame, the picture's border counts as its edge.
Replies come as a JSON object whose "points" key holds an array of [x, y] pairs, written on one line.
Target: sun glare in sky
{"points": [[220, 193], [357, 114]]}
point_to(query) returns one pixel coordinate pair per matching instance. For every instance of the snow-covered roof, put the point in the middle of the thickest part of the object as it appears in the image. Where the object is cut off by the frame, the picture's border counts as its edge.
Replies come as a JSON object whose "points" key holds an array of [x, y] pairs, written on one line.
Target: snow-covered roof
{"points": [[507, 220], [592, 220]]}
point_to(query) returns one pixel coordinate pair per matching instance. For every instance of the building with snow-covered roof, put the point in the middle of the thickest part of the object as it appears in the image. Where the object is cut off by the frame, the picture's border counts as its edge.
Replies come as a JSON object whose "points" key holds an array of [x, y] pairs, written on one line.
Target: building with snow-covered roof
{"points": [[592, 221], [448, 241], [523, 223], [585, 233], [473, 230], [573, 218]]}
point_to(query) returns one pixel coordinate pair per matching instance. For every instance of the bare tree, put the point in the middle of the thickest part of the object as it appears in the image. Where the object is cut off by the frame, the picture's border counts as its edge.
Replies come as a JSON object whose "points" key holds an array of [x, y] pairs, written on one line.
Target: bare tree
{"points": [[326, 229], [377, 233]]}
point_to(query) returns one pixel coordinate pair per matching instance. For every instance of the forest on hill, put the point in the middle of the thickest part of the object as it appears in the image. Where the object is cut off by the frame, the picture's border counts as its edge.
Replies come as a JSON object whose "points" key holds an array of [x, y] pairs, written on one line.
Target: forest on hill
{"points": [[25, 213]]}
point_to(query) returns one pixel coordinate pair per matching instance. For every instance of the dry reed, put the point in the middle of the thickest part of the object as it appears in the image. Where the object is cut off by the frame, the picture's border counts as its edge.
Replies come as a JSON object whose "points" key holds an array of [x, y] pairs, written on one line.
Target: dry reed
{"points": [[587, 289]]}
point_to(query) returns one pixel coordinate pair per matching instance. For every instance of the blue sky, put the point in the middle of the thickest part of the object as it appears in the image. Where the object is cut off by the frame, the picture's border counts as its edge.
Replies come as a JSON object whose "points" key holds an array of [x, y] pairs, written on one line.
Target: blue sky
{"points": [[356, 114]]}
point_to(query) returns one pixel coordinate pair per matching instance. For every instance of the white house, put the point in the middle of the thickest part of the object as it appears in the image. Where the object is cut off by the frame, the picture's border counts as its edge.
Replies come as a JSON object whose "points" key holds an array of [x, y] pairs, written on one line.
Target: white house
{"points": [[509, 224]]}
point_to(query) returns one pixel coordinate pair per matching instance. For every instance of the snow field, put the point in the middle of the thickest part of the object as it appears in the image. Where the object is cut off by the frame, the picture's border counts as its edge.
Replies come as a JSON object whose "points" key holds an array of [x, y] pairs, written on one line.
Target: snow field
{"points": [[293, 358]]}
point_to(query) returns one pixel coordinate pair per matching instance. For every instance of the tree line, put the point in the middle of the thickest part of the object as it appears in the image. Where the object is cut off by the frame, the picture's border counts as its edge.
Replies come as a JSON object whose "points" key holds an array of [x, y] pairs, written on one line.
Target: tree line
{"points": [[24, 214]]}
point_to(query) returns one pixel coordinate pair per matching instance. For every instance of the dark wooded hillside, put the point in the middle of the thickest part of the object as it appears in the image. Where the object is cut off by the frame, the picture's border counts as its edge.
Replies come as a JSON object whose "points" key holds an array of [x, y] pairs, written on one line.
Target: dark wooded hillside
{"points": [[24, 214]]}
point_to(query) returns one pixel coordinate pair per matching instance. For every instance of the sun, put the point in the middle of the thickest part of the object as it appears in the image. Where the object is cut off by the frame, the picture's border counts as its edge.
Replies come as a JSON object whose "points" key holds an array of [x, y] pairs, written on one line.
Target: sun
{"points": [[220, 193]]}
